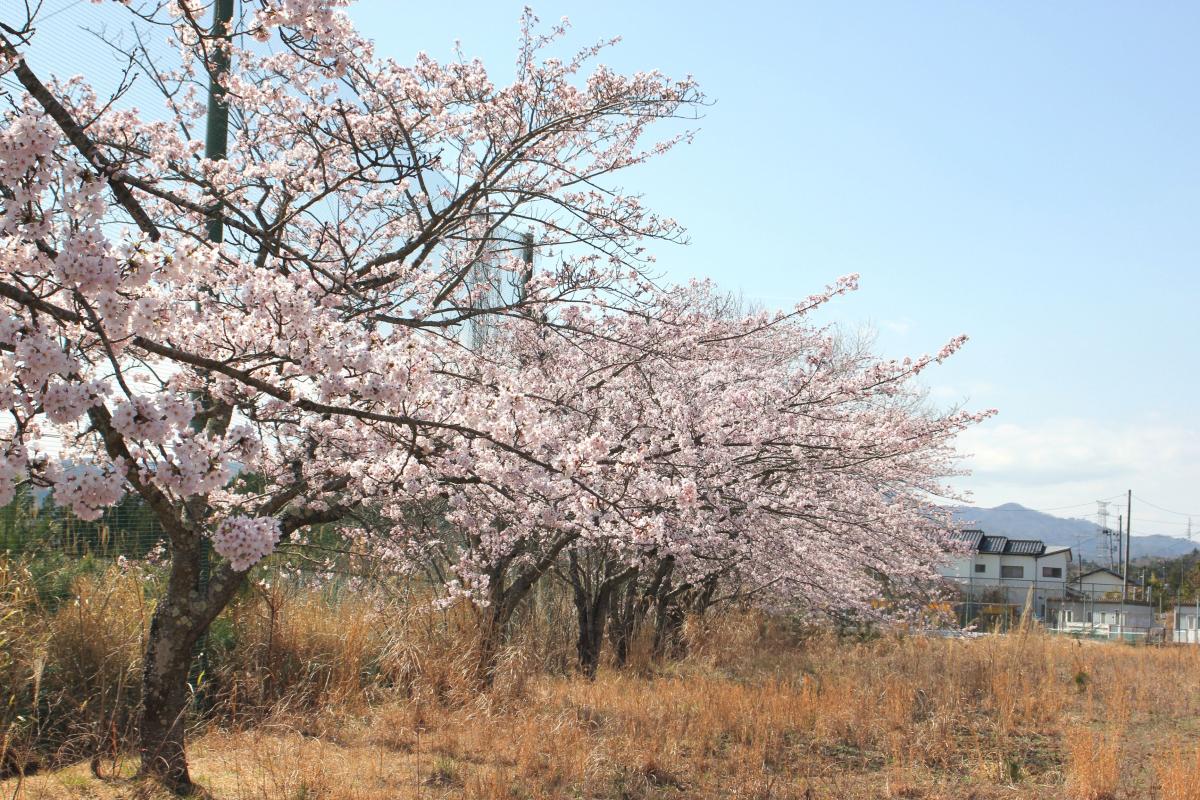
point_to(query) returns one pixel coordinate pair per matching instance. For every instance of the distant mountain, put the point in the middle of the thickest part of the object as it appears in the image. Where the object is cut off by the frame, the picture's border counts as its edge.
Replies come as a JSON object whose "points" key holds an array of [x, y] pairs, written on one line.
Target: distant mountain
{"points": [[1082, 536]]}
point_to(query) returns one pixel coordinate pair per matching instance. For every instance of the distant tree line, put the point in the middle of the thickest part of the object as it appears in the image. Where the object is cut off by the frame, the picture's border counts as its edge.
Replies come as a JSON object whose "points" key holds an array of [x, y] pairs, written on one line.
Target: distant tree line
{"points": [[1177, 577]]}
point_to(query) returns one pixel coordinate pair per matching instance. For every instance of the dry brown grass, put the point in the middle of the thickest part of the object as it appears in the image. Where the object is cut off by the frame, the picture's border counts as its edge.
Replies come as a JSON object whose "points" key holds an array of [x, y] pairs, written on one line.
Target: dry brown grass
{"points": [[321, 697], [1093, 763], [69, 675], [1178, 772]]}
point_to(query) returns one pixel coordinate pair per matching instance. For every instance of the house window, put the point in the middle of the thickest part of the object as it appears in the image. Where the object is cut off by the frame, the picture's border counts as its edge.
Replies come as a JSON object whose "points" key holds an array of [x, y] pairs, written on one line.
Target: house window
{"points": [[981, 567], [1012, 572], [1051, 572]]}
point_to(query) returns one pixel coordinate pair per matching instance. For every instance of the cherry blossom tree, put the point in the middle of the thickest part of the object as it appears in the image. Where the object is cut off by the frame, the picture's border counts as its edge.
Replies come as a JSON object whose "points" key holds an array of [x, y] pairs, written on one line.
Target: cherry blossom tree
{"points": [[320, 346], [633, 435], [736, 455]]}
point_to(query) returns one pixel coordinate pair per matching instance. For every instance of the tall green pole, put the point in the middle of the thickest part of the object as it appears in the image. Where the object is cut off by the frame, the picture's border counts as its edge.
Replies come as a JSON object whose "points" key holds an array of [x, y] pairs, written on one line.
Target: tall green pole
{"points": [[216, 139], [216, 144]]}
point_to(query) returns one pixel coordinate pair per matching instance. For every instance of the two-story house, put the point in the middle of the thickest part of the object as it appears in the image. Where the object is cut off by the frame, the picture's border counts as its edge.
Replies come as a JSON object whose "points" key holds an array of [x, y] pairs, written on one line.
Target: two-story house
{"points": [[999, 571]]}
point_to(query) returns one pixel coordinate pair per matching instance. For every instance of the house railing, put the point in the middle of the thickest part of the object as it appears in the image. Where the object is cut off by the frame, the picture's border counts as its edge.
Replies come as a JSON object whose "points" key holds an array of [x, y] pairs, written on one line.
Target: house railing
{"points": [[977, 585]]}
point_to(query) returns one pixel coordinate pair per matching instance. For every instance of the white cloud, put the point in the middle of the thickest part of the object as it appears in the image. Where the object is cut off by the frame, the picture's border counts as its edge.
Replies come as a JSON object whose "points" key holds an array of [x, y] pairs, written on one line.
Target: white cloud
{"points": [[1071, 461]]}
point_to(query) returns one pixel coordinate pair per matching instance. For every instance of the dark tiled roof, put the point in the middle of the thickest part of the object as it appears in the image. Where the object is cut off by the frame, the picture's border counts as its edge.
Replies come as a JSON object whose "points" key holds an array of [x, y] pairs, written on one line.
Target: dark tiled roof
{"points": [[1025, 547], [999, 545], [968, 537], [993, 544]]}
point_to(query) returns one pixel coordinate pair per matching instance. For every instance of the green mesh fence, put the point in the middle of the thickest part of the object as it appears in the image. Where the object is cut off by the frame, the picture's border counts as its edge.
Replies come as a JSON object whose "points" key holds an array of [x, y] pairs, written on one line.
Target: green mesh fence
{"points": [[35, 526]]}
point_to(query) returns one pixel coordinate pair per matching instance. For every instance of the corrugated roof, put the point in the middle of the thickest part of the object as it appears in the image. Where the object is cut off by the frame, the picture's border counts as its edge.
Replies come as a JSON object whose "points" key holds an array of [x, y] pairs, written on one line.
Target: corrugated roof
{"points": [[993, 544], [1024, 547], [968, 537], [1002, 545]]}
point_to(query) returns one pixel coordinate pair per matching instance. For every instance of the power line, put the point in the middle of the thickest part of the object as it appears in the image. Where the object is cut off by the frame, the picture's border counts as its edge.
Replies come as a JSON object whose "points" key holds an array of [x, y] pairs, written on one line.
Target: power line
{"points": [[1169, 511], [1166, 521], [1077, 505]]}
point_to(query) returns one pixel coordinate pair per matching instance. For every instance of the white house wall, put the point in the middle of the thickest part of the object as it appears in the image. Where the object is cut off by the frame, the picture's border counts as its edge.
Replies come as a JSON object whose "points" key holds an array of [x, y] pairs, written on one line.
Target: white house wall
{"points": [[1031, 584], [1031, 566], [1101, 582], [1106, 617], [1187, 626]]}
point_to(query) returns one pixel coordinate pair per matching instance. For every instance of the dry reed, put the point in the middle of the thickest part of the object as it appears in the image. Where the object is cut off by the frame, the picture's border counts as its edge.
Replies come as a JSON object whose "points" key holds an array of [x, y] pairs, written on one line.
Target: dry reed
{"points": [[360, 696]]}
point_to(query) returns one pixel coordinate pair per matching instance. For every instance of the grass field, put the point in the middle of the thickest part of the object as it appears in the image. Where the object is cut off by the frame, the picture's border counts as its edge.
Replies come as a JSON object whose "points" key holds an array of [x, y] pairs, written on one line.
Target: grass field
{"points": [[754, 710]]}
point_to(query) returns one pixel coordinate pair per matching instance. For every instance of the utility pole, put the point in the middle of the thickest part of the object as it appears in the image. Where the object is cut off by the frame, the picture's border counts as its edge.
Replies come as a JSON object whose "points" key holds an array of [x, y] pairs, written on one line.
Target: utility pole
{"points": [[1120, 542], [527, 257], [216, 134], [1102, 518], [1128, 542], [1120, 554], [216, 145]]}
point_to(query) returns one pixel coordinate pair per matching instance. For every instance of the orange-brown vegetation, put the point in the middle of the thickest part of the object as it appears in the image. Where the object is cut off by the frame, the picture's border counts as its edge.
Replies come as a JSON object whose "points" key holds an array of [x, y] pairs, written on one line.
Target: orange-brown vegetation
{"points": [[317, 694]]}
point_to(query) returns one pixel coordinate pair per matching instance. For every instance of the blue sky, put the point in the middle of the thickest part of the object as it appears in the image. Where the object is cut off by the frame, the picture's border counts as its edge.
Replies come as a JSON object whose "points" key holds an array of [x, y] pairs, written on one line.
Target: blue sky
{"points": [[1026, 173], [1023, 172]]}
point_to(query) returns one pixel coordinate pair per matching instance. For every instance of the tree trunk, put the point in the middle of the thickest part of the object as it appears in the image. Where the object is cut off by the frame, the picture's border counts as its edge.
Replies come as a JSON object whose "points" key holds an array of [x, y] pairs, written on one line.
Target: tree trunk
{"points": [[503, 601], [592, 590], [491, 637], [181, 618], [592, 614], [497, 617], [165, 697], [705, 595], [668, 630], [669, 616], [624, 623], [174, 631]]}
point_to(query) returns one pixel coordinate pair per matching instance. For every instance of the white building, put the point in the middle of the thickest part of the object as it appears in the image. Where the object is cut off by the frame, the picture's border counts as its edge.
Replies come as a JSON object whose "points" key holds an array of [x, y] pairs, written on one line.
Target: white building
{"points": [[999, 575], [1105, 618], [1104, 584], [1187, 624], [1101, 603]]}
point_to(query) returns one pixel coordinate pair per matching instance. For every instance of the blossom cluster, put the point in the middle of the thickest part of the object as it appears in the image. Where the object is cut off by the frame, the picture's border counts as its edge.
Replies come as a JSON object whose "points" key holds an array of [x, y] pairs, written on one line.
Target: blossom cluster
{"points": [[13, 464], [154, 419], [88, 489], [246, 540]]}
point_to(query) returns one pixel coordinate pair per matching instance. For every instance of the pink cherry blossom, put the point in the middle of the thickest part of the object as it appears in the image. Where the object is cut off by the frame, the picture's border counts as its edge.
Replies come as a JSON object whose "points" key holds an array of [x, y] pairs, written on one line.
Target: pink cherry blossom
{"points": [[434, 320], [246, 540]]}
